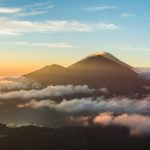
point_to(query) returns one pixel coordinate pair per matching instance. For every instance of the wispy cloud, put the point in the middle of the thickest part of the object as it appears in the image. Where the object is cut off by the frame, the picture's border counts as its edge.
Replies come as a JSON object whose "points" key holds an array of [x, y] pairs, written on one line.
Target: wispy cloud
{"points": [[44, 44], [28, 10], [35, 9], [100, 8], [125, 15], [15, 27], [10, 10], [40, 4], [133, 47], [32, 13]]}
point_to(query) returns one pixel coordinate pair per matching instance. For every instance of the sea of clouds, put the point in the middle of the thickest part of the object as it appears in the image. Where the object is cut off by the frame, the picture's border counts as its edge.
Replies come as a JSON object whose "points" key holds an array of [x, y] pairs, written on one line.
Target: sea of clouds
{"points": [[25, 101]]}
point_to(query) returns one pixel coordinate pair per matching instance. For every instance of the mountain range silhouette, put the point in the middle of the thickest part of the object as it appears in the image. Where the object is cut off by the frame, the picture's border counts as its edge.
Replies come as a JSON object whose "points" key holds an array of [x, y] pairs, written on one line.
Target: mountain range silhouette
{"points": [[97, 71]]}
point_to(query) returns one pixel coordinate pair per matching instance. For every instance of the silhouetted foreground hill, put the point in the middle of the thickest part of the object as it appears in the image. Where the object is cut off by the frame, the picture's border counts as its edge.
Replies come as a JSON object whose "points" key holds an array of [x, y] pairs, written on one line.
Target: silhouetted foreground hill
{"points": [[70, 138], [96, 71]]}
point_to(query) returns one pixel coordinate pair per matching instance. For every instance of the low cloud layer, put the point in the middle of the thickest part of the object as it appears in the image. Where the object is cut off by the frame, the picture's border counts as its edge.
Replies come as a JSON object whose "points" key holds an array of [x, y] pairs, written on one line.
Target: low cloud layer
{"points": [[124, 112], [17, 83], [49, 91], [23, 101], [138, 124], [116, 105]]}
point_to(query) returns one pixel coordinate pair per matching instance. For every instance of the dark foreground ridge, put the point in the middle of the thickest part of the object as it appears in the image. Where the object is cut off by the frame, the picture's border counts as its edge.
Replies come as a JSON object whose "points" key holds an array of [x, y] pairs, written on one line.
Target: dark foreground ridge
{"points": [[71, 138]]}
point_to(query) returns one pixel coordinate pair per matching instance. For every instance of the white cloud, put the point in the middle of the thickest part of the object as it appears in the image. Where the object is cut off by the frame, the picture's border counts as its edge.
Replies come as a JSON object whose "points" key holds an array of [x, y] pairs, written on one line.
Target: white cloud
{"points": [[10, 10], [99, 8], [40, 4], [125, 15], [28, 10], [35, 9], [32, 13], [91, 105], [138, 124], [71, 106], [48, 45], [49, 91], [104, 90], [17, 83], [15, 27]]}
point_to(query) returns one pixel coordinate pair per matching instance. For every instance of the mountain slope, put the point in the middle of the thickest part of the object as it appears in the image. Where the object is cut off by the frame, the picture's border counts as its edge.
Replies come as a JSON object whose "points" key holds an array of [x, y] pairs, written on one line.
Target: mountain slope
{"points": [[52, 74], [96, 71], [107, 56]]}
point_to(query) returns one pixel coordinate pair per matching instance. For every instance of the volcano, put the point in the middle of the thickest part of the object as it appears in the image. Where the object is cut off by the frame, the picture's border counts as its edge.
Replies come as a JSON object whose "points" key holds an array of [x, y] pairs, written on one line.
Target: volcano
{"points": [[97, 71]]}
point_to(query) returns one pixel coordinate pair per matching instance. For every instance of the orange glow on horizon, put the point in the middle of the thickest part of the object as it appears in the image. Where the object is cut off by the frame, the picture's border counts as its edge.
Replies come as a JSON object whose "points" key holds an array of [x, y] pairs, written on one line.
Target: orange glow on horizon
{"points": [[20, 68], [22, 65], [14, 69]]}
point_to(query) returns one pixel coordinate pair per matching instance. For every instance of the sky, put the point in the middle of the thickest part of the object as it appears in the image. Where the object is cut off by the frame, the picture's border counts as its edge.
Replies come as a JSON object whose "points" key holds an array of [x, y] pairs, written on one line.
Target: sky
{"points": [[35, 33]]}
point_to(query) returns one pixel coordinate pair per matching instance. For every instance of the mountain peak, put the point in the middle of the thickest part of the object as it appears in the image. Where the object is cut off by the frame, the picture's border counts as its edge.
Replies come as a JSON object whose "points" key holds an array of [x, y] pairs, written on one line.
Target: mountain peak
{"points": [[53, 66], [109, 57], [101, 57], [101, 53]]}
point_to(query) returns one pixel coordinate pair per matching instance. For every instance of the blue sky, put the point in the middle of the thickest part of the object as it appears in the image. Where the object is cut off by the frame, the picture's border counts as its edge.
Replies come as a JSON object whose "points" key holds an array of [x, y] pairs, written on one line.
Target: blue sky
{"points": [[35, 33]]}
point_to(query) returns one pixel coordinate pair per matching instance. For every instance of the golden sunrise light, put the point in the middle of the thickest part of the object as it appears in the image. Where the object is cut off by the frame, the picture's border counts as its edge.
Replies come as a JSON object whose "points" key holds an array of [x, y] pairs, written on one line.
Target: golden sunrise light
{"points": [[74, 75]]}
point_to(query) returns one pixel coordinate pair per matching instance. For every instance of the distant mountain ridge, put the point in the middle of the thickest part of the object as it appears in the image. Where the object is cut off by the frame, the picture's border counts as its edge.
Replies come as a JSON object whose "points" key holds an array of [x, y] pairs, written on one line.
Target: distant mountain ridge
{"points": [[97, 71]]}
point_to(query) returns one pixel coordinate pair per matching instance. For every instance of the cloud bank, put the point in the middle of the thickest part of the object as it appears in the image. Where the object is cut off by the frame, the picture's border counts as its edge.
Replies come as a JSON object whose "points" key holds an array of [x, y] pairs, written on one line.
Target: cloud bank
{"points": [[138, 124], [17, 83], [92, 105], [49, 91], [24, 101]]}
